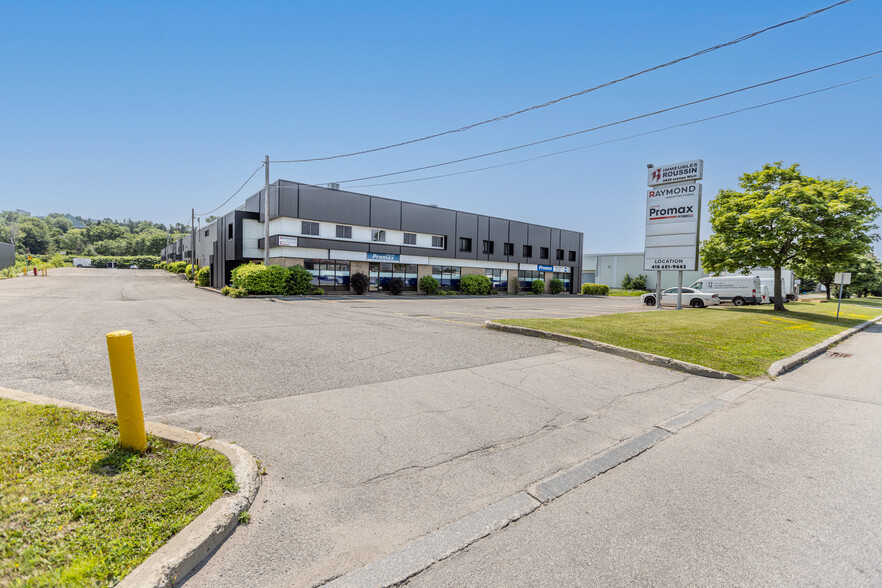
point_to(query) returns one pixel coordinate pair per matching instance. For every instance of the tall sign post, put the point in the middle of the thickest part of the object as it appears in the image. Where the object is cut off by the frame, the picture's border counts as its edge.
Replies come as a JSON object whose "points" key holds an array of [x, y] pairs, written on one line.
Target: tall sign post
{"points": [[842, 278], [673, 212]]}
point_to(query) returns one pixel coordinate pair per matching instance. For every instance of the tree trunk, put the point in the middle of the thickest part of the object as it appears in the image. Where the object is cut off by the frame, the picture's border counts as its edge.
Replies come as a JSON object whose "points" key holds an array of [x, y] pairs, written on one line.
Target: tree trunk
{"points": [[778, 294], [828, 285]]}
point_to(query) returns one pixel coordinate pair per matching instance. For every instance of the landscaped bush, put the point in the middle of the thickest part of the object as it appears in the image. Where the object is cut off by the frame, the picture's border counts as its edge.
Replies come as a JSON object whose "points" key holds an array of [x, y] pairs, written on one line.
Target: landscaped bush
{"points": [[236, 292], [124, 261], [475, 285], [203, 276], [56, 260], [298, 282], [538, 287], [639, 282], [429, 285], [256, 278], [557, 286], [595, 289], [188, 271], [318, 292], [176, 267], [359, 282], [158, 266], [396, 286], [626, 282]]}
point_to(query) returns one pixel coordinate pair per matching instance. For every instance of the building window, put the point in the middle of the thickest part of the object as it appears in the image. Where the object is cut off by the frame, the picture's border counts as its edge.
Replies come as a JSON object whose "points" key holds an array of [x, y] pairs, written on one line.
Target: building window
{"points": [[543, 253], [330, 275], [448, 277], [508, 248], [498, 278], [378, 235], [382, 273], [465, 244], [572, 256], [206, 232], [438, 242], [525, 279], [344, 232], [528, 251], [559, 255], [309, 228], [565, 278], [230, 231], [410, 238], [488, 247]]}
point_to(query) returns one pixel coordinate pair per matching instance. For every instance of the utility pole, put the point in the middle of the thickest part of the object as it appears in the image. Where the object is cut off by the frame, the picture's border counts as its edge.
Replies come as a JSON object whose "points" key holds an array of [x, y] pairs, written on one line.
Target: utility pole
{"points": [[193, 237], [266, 217]]}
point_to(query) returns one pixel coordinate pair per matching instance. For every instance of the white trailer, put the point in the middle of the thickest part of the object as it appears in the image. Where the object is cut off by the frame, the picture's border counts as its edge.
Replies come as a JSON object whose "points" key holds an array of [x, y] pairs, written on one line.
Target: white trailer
{"points": [[82, 262]]}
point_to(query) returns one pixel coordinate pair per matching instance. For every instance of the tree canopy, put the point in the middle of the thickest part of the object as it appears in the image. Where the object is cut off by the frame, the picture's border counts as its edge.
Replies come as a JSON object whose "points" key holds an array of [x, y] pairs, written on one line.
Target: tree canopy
{"points": [[782, 218]]}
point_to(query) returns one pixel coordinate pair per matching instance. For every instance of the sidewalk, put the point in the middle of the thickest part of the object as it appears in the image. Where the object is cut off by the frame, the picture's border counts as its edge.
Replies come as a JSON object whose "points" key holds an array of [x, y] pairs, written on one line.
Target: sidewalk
{"points": [[782, 487]]}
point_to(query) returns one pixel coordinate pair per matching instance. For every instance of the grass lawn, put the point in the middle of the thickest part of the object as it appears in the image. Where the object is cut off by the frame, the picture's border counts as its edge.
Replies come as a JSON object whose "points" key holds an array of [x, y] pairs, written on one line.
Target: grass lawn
{"points": [[76, 509], [874, 301], [744, 341], [623, 292]]}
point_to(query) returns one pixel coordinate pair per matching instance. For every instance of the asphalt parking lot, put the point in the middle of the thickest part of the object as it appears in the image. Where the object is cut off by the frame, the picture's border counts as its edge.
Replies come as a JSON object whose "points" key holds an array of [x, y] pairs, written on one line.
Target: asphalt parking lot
{"points": [[379, 420]]}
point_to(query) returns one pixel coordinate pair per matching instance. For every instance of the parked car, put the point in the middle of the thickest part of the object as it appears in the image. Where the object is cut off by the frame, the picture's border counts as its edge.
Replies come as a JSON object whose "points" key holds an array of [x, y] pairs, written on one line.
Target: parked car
{"points": [[691, 297], [739, 290], [133, 266]]}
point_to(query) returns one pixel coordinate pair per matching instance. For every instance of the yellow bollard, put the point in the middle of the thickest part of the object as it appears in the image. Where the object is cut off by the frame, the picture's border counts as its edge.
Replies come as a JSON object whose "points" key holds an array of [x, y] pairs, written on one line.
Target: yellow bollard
{"points": [[24, 271], [126, 392]]}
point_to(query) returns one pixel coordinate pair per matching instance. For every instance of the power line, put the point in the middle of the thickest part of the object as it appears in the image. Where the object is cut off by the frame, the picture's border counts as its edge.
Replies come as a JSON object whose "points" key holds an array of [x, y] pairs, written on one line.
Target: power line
{"points": [[685, 124], [569, 96], [612, 124], [234, 193]]}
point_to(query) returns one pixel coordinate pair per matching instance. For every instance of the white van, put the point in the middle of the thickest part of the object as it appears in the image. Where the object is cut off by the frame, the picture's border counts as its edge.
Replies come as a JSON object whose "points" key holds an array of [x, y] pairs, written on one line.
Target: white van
{"points": [[739, 290]]}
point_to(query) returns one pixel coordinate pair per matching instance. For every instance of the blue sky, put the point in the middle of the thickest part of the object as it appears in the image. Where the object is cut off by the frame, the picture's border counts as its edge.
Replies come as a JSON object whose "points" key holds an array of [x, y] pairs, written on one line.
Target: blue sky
{"points": [[145, 110]]}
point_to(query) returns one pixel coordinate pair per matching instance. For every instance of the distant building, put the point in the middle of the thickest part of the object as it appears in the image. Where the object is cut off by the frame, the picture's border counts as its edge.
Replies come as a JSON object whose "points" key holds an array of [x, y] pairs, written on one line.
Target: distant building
{"points": [[610, 269], [7, 255]]}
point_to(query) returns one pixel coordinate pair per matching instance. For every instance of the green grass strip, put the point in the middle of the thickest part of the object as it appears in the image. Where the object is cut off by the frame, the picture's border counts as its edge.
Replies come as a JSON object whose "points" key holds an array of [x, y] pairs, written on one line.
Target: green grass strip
{"points": [[78, 510], [743, 341]]}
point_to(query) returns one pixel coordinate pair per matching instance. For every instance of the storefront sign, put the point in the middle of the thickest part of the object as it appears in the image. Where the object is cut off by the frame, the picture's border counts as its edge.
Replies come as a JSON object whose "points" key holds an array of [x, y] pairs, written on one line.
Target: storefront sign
{"points": [[545, 268], [383, 257], [287, 241], [673, 211], [675, 172]]}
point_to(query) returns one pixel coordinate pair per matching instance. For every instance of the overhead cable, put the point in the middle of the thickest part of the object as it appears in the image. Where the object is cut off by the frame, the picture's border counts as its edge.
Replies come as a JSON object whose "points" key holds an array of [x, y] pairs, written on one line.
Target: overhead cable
{"points": [[569, 96], [668, 128], [234, 193], [612, 124]]}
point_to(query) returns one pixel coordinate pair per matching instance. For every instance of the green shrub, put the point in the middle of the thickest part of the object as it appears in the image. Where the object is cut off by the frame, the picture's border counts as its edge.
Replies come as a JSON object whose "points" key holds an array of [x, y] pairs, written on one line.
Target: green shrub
{"points": [[188, 271], [475, 285], [429, 285], [203, 276], [176, 267], [396, 286], [537, 287], [359, 282], [318, 292], [124, 261], [626, 282], [256, 278], [298, 282], [56, 260], [595, 289], [639, 283], [237, 292], [557, 286], [226, 290]]}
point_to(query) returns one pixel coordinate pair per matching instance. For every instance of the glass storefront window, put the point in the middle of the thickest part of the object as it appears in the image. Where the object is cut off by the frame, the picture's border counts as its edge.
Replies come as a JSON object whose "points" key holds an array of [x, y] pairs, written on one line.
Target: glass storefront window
{"points": [[329, 275], [564, 277], [381, 273], [525, 279], [498, 278], [447, 276]]}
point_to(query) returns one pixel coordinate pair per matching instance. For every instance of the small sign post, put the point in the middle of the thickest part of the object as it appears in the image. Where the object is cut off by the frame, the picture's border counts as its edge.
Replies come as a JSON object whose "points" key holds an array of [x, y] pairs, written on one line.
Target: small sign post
{"points": [[843, 278]]}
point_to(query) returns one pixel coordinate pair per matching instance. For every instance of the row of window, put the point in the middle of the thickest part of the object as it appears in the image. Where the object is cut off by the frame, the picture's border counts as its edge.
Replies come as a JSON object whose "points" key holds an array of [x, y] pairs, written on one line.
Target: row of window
{"points": [[465, 244], [377, 235]]}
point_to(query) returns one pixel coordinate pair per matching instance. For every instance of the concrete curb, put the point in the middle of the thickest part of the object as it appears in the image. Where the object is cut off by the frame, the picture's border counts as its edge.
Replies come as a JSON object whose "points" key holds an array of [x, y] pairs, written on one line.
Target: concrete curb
{"points": [[650, 358], [192, 544], [797, 359]]}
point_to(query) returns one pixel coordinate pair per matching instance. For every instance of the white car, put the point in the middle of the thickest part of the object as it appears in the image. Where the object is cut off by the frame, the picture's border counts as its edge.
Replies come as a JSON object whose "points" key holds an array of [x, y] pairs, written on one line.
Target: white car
{"points": [[133, 266], [691, 297]]}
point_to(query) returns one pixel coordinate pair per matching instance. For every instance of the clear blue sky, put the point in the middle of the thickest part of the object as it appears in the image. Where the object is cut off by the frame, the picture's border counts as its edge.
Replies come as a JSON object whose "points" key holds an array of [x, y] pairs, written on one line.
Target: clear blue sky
{"points": [[144, 110]]}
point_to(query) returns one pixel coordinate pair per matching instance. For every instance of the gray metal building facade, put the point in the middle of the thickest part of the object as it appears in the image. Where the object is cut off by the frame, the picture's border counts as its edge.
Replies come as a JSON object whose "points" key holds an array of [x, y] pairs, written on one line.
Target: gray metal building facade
{"points": [[335, 233], [7, 255]]}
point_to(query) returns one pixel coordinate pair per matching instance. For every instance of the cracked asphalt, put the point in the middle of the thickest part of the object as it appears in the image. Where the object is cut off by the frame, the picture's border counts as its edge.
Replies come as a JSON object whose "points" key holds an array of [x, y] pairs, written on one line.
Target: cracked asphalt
{"points": [[378, 420]]}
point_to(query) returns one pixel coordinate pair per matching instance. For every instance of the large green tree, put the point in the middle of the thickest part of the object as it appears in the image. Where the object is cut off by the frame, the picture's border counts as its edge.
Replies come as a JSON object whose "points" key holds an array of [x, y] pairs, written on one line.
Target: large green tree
{"points": [[782, 218]]}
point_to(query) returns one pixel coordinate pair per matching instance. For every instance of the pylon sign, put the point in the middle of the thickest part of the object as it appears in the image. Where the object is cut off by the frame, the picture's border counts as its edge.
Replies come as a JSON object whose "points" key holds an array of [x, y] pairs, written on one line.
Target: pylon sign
{"points": [[673, 213]]}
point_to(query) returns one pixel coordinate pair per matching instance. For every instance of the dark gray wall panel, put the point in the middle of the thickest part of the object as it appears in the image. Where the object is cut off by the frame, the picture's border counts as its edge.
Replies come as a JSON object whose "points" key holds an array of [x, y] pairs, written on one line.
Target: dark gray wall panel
{"points": [[540, 236], [569, 241], [498, 234], [331, 244], [428, 219], [467, 227], [288, 194], [483, 235], [376, 248], [385, 214], [518, 236], [323, 204]]}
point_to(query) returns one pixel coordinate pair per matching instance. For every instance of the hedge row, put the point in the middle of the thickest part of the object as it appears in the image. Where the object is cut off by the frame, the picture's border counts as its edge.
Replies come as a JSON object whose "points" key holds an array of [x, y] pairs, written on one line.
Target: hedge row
{"points": [[256, 278], [595, 289], [142, 261]]}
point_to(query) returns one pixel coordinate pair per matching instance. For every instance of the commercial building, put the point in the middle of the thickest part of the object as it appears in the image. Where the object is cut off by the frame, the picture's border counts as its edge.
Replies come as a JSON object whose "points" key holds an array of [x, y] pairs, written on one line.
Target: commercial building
{"points": [[334, 233]]}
